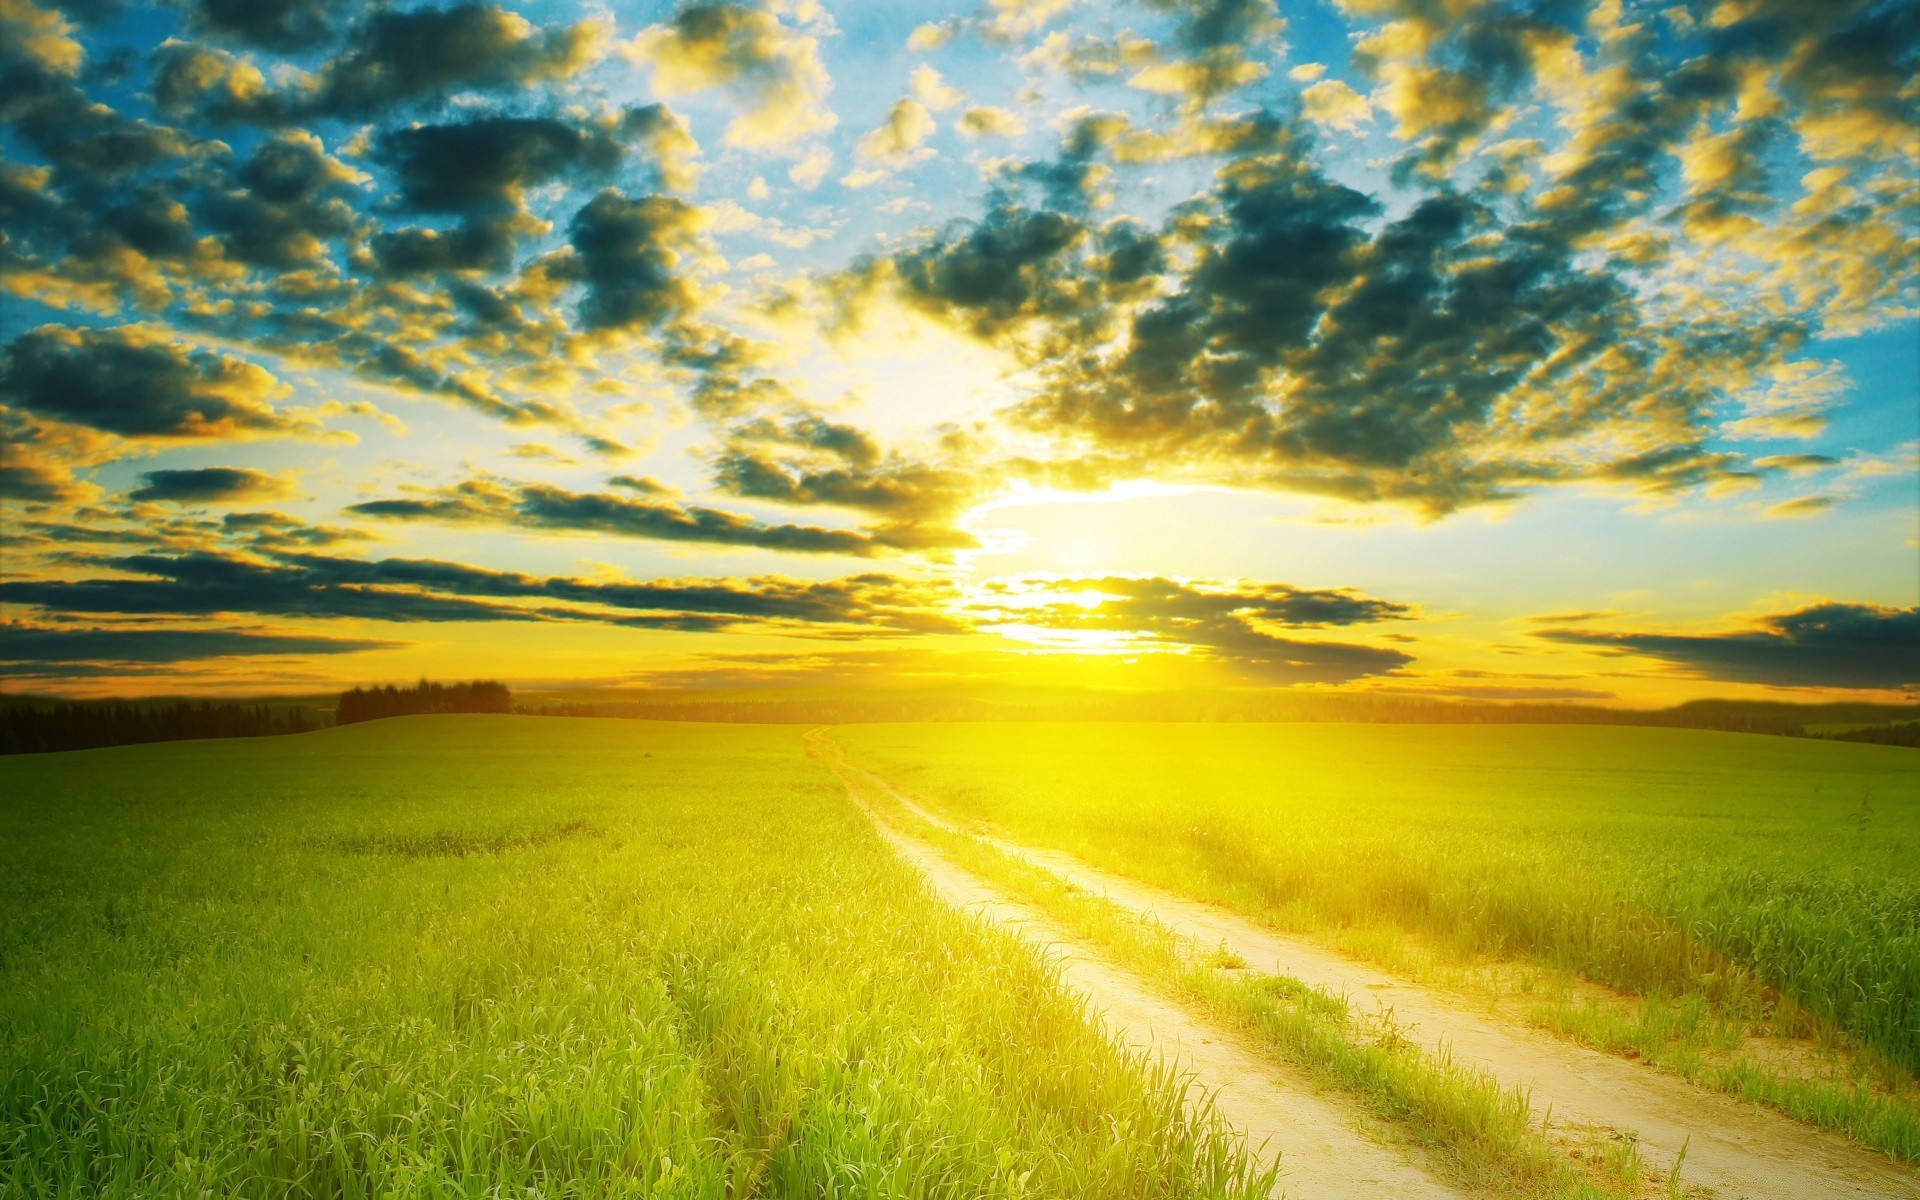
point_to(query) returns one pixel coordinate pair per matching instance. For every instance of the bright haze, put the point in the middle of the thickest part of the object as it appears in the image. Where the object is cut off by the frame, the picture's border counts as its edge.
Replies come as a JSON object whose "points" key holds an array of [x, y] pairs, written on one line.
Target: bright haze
{"points": [[1493, 351]]}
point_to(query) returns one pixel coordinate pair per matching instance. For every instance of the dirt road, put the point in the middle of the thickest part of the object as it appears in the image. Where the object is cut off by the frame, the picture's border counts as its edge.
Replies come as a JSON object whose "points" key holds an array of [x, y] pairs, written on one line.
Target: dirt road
{"points": [[1322, 1157]]}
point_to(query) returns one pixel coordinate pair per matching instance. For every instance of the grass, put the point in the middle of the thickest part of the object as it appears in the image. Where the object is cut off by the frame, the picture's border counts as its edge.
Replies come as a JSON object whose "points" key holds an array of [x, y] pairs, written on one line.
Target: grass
{"points": [[488, 956], [1749, 906]]}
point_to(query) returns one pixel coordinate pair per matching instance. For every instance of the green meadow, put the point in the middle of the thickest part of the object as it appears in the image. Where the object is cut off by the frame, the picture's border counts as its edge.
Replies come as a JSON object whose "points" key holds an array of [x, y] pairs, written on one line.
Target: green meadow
{"points": [[1742, 909], [492, 956], [482, 956]]}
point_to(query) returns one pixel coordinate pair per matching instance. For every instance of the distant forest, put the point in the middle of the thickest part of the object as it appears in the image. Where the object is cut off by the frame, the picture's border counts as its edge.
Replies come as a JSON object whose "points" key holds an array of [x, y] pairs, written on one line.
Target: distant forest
{"points": [[371, 704], [34, 729], [30, 725]]}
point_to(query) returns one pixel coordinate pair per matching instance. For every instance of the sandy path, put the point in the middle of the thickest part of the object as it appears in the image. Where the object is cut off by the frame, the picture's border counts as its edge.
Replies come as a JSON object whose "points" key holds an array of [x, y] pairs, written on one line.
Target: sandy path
{"points": [[1740, 1150], [1322, 1156]]}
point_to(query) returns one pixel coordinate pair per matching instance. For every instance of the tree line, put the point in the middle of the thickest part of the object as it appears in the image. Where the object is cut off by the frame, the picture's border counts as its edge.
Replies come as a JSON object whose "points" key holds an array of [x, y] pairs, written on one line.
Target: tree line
{"points": [[371, 704], [38, 727], [30, 729]]}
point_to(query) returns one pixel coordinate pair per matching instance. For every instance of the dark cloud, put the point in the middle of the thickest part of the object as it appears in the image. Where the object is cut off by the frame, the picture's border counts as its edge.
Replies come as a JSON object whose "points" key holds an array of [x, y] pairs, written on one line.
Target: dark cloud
{"points": [[204, 485], [1446, 357], [281, 207], [281, 25], [489, 161], [480, 170], [425, 590], [32, 644], [536, 506], [391, 58], [627, 253], [405, 55], [277, 531], [1010, 267], [807, 460], [1233, 622], [208, 584], [35, 482], [28, 472], [134, 383], [1834, 645]]}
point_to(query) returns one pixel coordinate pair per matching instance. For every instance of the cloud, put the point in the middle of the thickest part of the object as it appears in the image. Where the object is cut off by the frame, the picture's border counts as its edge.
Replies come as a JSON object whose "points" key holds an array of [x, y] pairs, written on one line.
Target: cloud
{"points": [[283, 25], [480, 170], [63, 646], [139, 384], [283, 205], [1009, 268], [393, 57], [537, 506], [627, 252], [209, 485], [930, 36], [807, 460], [986, 120], [428, 590], [1831, 645], [927, 87], [1799, 508], [1234, 622], [898, 139], [34, 473], [1331, 104], [747, 50], [488, 162]]}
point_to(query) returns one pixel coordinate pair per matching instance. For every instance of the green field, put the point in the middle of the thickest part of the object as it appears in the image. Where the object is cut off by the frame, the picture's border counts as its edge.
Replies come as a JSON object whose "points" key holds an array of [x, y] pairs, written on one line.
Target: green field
{"points": [[478, 956], [1723, 886], [488, 956]]}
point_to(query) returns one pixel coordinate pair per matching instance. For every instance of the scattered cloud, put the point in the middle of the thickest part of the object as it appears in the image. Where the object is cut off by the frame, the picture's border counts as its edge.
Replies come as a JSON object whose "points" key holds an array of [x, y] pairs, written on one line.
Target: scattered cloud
{"points": [[546, 508], [210, 485], [1831, 645], [49, 646], [746, 50], [1235, 622], [140, 383]]}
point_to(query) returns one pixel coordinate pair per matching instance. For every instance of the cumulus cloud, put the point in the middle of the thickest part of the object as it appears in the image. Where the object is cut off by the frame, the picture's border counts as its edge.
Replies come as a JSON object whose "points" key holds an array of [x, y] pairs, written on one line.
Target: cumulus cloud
{"points": [[209, 485], [140, 384], [746, 50], [899, 138], [806, 460], [283, 25], [1332, 104], [1832, 645], [480, 170], [627, 251], [391, 58], [986, 120]]}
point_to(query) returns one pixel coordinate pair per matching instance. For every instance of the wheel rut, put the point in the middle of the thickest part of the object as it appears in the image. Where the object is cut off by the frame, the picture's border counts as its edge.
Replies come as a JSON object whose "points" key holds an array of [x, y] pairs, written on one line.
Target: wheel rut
{"points": [[1736, 1149]]}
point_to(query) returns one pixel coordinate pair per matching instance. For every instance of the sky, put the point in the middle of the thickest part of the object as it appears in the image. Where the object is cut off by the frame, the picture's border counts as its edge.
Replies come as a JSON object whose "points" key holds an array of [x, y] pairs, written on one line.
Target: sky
{"points": [[1488, 351]]}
